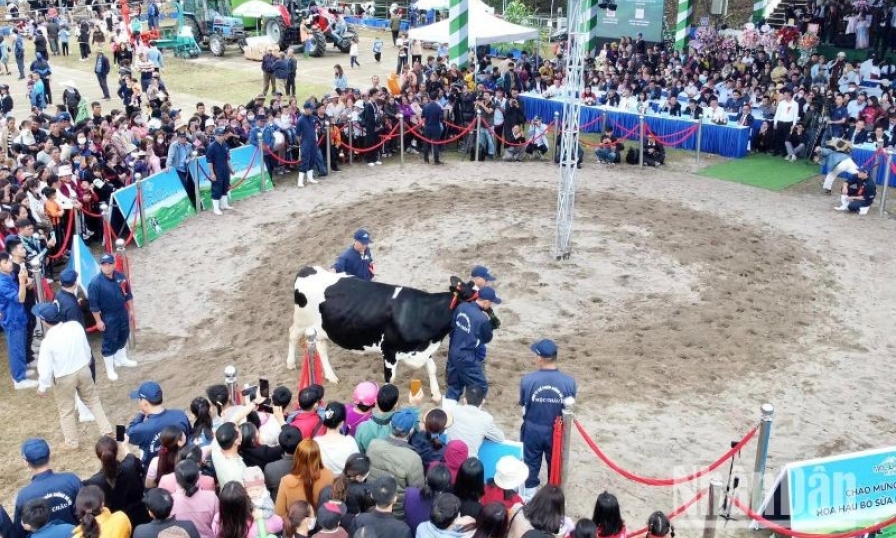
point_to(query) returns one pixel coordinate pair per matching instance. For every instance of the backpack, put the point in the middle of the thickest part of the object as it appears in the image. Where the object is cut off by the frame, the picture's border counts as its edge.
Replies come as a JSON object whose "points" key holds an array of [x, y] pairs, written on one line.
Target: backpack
{"points": [[631, 156]]}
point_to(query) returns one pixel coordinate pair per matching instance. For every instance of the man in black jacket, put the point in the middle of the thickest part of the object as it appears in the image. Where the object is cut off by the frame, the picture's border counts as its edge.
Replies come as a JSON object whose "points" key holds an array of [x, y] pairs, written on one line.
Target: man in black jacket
{"points": [[101, 68], [369, 122], [381, 520]]}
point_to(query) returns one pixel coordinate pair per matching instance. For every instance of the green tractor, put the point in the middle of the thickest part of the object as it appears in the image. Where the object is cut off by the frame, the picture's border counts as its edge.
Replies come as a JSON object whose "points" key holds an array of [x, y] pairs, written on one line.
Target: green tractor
{"points": [[212, 26]]}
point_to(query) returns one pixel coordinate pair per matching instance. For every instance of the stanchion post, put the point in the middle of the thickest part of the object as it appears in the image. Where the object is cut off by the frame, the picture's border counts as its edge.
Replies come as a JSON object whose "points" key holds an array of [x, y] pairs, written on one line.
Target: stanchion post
{"points": [[196, 179], [77, 215], [311, 343], [556, 131], [351, 143], [329, 147], [603, 121], [568, 416], [107, 237], [715, 489], [37, 273], [138, 178], [883, 197], [765, 430], [122, 254], [401, 137], [478, 132], [230, 383], [699, 136], [264, 165], [641, 138]]}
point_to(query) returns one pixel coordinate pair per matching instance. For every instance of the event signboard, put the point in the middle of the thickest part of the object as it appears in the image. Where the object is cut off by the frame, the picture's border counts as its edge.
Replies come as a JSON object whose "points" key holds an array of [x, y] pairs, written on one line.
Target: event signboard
{"points": [[165, 205], [836, 494], [248, 168], [630, 18]]}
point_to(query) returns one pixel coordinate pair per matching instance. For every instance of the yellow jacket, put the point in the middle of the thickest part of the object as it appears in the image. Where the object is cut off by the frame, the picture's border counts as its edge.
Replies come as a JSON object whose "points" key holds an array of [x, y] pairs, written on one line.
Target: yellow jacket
{"points": [[112, 525]]}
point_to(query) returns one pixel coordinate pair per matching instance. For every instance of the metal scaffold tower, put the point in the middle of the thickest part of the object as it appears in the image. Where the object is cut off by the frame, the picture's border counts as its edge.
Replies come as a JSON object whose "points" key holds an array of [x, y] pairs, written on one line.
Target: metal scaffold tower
{"points": [[569, 141]]}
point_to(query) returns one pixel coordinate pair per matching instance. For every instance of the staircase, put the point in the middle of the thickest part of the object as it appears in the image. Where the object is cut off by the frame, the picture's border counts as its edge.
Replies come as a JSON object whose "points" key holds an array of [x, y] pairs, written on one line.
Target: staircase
{"points": [[776, 18]]}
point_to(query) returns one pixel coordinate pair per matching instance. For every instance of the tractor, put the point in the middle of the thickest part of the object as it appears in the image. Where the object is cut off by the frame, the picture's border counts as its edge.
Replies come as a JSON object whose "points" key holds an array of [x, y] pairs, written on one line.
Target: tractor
{"points": [[291, 27], [212, 26]]}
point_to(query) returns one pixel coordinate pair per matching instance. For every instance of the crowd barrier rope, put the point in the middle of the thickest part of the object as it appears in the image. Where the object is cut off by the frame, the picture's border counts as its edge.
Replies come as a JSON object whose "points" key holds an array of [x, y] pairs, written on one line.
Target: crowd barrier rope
{"points": [[669, 139], [245, 174], [665, 481], [515, 144], [625, 133], [383, 139], [784, 531], [68, 236], [674, 513], [464, 131]]}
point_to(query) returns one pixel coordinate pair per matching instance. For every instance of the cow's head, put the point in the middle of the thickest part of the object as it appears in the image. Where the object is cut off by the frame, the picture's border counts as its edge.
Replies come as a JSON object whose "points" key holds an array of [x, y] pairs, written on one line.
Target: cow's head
{"points": [[310, 285]]}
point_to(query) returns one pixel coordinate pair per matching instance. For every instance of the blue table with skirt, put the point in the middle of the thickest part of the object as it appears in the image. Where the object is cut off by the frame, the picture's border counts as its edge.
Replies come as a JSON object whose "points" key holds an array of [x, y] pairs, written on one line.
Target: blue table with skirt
{"points": [[868, 157], [725, 140]]}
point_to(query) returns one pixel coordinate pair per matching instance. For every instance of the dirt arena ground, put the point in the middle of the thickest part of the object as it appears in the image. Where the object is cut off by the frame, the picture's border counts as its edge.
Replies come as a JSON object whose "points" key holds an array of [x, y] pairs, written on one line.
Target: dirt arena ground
{"points": [[687, 303]]}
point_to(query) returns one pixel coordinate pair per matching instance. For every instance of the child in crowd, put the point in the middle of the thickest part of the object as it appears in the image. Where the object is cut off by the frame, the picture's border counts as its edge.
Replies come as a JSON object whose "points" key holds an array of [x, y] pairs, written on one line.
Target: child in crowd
{"points": [[253, 480], [364, 400], [36, 520], [64, 35], [353, 54], [377, 49]]}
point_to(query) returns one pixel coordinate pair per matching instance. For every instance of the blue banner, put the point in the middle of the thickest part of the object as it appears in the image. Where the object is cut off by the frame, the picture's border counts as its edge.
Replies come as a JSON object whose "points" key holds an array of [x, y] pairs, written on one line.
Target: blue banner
{"points": [[165, 205], [843, 493]]}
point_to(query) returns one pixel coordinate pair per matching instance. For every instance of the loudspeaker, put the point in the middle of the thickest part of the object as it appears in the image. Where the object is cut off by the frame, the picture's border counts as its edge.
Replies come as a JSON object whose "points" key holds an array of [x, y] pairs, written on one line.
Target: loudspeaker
{"points": [[719, 7]]}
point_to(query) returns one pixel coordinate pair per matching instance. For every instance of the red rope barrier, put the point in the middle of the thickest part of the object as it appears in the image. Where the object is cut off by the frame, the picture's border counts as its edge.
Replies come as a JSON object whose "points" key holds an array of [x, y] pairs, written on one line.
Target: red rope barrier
{"points": [[385, 138], [514, 144], [675, 513], [664, 140], [248, 169], [89, 214], [455, 138], [625, 132], [68, 236], [556, 462], [784, 531], [665, 481]]}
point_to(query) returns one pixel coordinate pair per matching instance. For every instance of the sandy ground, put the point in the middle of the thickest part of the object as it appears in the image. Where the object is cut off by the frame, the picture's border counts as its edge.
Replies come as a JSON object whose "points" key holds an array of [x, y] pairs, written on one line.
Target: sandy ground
{"points": [[687, 303]]}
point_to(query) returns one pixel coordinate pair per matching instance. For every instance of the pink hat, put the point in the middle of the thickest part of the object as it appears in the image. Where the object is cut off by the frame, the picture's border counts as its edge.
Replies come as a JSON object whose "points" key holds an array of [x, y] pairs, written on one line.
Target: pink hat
{"points": [[456, 453], [365, 393]]}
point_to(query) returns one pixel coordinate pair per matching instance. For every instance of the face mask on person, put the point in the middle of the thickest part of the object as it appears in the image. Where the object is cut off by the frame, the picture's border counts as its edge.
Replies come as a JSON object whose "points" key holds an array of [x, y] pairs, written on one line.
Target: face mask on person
{"points": [[160, 140], [312, 521], [703, 79], [10, 223], [82, 140]]}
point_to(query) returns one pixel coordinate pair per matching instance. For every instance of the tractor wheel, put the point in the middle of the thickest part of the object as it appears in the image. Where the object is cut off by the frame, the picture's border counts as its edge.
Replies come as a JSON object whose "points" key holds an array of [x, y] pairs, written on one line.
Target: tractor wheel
{"points": [[216, 44], [344, 45], [276, 32]]}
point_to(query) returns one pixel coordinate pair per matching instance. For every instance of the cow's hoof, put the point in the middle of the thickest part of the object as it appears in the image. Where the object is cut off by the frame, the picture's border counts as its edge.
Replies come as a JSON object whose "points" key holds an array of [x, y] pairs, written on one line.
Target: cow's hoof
{"points": [[334, 380], [290, 366]]}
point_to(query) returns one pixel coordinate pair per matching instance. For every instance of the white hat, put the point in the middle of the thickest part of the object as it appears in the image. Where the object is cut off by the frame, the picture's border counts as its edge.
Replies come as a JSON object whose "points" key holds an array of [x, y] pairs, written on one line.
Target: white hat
{"points": [[69, 84], [510, 473], [64, 170], [209, 122]]}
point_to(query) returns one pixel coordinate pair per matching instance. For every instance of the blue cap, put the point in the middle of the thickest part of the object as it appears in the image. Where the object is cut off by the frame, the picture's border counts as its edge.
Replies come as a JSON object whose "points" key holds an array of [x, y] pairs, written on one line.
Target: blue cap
{"points": [[48, 312], [488, 294], [148, 390], [481, 271], [220, 131], [68, 277], [107, 258], [545, 348], [404, 420], [11, 241], [36, 451], [63, 116], [363, 236]]}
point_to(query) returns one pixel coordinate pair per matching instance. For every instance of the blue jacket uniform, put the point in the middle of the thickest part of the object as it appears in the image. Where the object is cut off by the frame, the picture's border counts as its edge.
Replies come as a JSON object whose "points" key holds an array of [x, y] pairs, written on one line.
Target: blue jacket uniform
{"points": [[144, 431], [13, 312], [267, 135], [6, 527], [218, 158], [69, 308], [541, 396], [306, 129], [470, 329], [59, 489], [110, 296], [355, 264]]}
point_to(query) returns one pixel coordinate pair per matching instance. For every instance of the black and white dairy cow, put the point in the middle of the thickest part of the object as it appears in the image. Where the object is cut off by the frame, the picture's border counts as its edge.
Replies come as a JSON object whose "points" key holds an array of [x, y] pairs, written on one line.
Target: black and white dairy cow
{"points": [[403, 324]]}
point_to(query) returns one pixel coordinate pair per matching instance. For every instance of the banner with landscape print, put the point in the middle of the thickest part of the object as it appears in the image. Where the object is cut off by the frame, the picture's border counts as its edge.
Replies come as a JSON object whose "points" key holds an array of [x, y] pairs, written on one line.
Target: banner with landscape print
{"points": [[165, 205], [248, 169]]}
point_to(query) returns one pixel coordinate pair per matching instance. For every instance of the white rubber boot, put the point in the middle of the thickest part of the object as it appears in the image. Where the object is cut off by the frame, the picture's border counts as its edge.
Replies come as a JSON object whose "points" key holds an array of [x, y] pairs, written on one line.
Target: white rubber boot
{"points": [[225, 202], [110, 368], [84, 414], [121, 358], [301, 179], [216, 207], [311, 177]]}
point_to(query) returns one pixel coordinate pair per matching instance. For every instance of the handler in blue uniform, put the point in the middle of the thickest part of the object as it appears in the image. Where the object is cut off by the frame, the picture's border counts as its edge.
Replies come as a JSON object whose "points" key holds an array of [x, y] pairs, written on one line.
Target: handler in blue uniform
{"points": [[306, 130], [356, 260], [543, 395], [59, 489], [67, 299], [110, 302], [482, 278], [218, 158], [266, 130], [470, 329]]}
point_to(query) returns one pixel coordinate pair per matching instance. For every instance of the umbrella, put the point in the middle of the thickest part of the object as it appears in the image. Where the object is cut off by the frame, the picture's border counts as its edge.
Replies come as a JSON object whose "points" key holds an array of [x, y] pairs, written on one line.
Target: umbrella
{"points": [[256, 9]]}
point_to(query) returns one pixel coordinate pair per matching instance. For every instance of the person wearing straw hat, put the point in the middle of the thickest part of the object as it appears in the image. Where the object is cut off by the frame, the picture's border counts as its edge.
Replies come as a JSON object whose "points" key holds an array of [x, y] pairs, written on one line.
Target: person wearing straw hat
{"points": [[510, 474], [544, 394]]}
